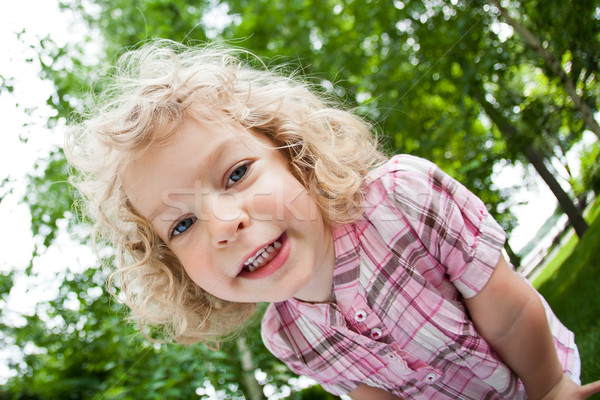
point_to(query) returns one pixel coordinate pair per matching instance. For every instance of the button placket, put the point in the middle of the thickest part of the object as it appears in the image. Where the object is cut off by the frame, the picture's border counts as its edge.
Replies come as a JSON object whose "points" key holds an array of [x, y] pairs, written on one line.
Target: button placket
{"points": [[376, 333], [360, 316], [431, 377], [364, 320]]}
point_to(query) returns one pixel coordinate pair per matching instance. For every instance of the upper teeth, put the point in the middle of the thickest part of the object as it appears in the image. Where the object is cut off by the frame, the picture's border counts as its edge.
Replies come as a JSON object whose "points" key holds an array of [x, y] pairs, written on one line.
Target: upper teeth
{"points": [[255, 261]]}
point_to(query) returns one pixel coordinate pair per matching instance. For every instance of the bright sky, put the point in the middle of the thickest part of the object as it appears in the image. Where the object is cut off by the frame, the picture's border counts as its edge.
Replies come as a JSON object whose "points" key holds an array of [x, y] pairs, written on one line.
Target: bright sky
{"points": [[36, 19]]}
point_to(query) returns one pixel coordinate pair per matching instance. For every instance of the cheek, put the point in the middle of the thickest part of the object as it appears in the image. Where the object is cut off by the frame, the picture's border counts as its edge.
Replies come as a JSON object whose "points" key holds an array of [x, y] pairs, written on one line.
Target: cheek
{"points": [[263, 205], [263, 202], [195, 267], [205, 279], [282, 198], [300, 205]]}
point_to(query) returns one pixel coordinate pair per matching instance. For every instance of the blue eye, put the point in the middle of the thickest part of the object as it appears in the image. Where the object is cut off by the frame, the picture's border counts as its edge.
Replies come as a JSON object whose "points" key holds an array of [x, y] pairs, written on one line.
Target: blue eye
{"points": [[237, 175], [183, 226]]}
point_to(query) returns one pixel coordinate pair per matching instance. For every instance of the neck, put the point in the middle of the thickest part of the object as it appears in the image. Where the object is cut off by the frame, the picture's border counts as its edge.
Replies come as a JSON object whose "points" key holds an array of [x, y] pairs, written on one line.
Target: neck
{"points": [[321, 284]]}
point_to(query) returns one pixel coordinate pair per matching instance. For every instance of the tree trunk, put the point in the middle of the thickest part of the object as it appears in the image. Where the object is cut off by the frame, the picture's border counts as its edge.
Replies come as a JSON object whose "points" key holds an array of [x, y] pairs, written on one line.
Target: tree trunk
{"points": [[515, 259], [253, 389], [510, 132], [555, 66], [568, 206]]}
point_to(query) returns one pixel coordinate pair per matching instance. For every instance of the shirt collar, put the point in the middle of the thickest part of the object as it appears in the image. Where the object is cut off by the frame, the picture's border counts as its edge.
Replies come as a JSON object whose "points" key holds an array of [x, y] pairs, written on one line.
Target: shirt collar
{"points": [[345, 281]]}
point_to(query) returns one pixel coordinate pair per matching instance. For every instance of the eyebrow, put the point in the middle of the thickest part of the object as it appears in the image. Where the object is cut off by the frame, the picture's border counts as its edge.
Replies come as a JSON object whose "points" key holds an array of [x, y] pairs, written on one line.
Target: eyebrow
{"points": [[205, 164]]}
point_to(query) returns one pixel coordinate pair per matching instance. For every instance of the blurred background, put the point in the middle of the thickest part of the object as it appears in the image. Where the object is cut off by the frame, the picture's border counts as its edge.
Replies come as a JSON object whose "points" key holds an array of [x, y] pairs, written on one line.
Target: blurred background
{"points": [[503, 95]]}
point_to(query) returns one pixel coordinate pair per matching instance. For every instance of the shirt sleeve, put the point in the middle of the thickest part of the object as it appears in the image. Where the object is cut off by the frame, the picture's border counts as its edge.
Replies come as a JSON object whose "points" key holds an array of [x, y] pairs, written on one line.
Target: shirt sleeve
{"points": [[271, 332], [451, 222], [280, 350]]}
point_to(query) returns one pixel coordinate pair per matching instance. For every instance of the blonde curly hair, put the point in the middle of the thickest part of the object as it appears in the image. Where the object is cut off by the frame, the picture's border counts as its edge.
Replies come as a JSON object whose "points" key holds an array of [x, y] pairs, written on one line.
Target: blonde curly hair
{"points": [[158, 86]]}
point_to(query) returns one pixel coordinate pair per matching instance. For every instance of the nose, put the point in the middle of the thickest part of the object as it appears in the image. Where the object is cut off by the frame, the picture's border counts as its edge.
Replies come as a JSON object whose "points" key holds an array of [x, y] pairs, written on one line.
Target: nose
{"points": [[226, 220]]}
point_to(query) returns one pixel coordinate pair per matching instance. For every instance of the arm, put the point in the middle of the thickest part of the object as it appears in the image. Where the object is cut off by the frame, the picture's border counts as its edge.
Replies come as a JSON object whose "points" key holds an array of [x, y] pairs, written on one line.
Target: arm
{"points": [[510, 316], [366, 392]]}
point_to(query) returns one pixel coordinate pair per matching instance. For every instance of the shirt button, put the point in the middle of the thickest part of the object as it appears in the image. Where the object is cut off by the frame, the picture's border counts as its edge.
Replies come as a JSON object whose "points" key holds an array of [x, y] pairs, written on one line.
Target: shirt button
{"points": [[376, 334], [431, 377], [360, 316]]}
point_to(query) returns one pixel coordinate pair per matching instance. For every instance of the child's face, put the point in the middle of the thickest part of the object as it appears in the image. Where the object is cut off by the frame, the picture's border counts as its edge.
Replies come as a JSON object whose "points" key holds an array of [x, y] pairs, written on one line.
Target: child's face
{"points": [[218, 195]]}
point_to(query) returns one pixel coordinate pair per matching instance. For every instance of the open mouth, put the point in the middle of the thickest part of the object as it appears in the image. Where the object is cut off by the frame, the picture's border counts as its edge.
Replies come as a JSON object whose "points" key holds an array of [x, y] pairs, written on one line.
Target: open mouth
{"points": [[263, 256]]}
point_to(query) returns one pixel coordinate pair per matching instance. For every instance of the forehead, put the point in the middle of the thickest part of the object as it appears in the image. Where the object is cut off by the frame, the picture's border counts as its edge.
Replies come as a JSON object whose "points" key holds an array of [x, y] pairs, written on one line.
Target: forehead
{"points": [[198, 138], [189, 155]]}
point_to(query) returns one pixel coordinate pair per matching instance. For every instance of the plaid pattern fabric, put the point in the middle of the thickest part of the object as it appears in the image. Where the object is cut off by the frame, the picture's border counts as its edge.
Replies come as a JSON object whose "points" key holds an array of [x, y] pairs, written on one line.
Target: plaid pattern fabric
{"points": [[396, 320]]}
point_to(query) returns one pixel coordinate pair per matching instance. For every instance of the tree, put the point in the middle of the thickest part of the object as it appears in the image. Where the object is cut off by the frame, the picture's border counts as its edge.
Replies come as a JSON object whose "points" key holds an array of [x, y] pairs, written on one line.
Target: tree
{"points": [[583, 36], [534, 157], [488, 67]]}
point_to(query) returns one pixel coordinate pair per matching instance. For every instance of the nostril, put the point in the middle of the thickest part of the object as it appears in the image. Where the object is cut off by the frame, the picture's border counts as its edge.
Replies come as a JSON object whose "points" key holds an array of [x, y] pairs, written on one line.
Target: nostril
{"points": [[223, 233]]}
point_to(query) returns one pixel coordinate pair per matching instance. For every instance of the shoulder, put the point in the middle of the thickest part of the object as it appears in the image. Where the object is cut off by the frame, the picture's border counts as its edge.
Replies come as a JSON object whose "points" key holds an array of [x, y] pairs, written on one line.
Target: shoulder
{"points": [[408, 176], [414, 181], [403, 165], [404, 184]]}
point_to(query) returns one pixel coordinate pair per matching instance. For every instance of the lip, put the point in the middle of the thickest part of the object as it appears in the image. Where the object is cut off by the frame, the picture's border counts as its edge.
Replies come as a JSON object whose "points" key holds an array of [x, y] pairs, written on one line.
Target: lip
{"points": [[273, 265]]}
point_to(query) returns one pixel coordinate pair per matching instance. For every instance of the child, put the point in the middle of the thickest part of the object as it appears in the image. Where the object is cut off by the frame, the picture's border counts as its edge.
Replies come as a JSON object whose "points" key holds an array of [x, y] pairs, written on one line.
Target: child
{"points": [[223, 186]]}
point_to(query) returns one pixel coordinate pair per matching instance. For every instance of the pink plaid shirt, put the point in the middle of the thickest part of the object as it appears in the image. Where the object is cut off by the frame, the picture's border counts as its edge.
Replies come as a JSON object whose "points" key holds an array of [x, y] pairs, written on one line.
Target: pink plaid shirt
{"points": [[397, 320]]}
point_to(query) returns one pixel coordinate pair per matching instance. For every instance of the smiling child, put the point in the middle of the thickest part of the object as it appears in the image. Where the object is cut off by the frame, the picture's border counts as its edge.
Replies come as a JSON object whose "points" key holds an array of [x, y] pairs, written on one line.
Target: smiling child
{"points": [[222, 186]]}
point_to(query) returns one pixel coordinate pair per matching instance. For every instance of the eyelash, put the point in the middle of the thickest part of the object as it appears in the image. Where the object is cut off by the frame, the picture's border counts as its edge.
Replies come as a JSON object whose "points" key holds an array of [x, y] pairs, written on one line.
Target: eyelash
{"points": [[172, 234], [244, 164]]}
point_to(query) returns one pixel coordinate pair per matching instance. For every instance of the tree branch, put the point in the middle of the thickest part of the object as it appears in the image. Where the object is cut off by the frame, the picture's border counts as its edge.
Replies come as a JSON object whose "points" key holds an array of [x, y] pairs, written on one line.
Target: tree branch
{"points": [[555, 66]]}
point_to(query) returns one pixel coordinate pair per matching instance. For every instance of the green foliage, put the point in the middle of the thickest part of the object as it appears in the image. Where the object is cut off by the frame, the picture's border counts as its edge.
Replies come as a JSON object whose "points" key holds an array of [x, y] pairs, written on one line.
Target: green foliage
{"points": [[83, 348], [6, 283], [590, 169], [6, 84], [49, 196], [126, 23], [579, 39]]}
